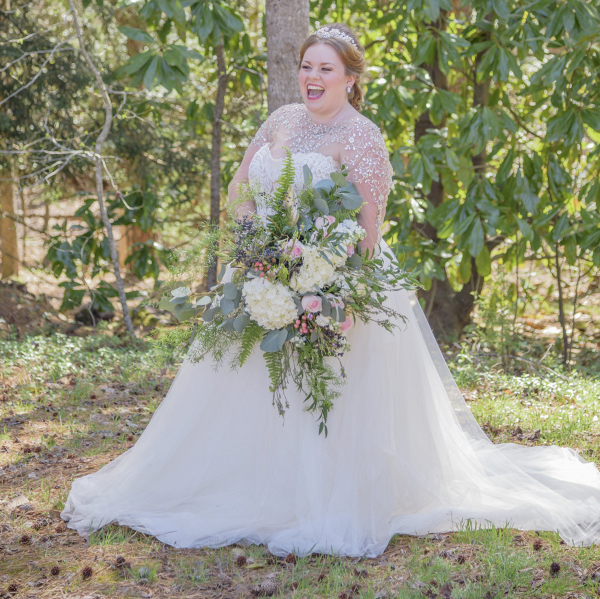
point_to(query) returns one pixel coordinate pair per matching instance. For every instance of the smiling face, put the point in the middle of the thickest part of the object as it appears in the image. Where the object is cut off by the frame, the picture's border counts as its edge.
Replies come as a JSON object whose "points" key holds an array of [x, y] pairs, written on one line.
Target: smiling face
{"points": [[323, 80]]}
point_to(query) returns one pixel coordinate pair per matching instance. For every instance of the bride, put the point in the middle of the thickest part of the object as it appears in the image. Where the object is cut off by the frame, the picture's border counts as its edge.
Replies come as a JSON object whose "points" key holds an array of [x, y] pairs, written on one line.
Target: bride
{"points": [[217, 465]]}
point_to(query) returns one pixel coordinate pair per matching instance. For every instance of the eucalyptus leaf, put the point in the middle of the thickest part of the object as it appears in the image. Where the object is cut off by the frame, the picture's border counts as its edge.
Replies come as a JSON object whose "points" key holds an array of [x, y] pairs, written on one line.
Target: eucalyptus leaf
{"points": [[308, 176], [272, 342], [325, 307], [338, 179], [226, 306], [321, 205], [338, 314], [355, 261], [351, 201], [241, 322], [179, 300], [229, 325], [165, 304], [208, 315], [230, 291], [314, 335], [327, 184], [203, 301], [182, 315]]}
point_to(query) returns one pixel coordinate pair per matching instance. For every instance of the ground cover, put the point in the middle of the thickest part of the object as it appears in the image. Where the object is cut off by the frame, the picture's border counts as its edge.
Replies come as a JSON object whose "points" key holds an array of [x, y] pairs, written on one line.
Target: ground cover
{"points": [[69, 405]]}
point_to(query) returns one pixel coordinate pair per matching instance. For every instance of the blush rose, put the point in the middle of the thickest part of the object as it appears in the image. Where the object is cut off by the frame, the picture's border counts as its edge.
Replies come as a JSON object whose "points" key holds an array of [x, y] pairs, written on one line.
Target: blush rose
{"points": [[312, 303]]}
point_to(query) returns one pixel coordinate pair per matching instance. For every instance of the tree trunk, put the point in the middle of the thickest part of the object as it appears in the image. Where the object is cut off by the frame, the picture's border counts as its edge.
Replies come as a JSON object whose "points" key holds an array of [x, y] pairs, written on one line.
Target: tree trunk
{"points": [[9, 249], [450, 311], [215, 155], [287, 27]]}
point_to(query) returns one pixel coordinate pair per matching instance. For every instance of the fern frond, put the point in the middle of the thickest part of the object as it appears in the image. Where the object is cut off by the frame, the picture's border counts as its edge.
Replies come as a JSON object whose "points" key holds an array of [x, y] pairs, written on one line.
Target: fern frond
{"points": [[251, 335], [288, 174]]}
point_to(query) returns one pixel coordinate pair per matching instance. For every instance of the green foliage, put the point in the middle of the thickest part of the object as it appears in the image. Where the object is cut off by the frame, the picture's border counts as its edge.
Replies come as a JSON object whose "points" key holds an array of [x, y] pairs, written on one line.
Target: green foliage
{"points": [[492, 112], [251, 335]]}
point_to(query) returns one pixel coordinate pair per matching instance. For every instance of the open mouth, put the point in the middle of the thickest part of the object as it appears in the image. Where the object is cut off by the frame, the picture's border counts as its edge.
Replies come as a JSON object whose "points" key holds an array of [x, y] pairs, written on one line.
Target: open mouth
{"points": [[314, 92]]}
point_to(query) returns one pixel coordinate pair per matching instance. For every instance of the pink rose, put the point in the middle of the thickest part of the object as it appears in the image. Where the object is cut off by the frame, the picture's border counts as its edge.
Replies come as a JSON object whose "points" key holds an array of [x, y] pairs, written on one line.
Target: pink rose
{"points": [[312, 303], [295, 248], [331, 220], [350, 250], [336, 301], [347, 324]]}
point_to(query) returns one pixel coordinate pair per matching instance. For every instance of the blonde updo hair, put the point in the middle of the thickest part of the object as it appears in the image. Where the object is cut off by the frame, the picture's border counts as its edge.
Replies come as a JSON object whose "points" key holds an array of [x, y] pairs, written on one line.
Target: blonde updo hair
{"points": [[353, 57]]}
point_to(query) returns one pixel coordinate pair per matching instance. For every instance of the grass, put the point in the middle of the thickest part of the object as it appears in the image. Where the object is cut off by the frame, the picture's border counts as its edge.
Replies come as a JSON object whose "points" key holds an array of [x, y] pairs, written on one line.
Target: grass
{"points": [[64, 404]]}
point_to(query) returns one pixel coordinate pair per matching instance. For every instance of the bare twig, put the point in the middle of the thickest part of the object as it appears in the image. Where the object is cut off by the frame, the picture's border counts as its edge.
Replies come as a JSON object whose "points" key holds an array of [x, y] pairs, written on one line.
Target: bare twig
{"points": [[40, 71], [99, 171]]}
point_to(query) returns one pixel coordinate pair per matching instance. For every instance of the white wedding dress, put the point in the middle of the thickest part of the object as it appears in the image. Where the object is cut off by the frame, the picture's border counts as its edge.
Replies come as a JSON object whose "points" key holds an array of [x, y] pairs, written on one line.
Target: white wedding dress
{"points": [[217, 464]]}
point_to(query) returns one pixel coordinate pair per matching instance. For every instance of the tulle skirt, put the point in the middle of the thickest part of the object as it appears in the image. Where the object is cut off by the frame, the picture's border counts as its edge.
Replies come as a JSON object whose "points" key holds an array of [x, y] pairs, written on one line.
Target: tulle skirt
{"points": [[218, 465]]}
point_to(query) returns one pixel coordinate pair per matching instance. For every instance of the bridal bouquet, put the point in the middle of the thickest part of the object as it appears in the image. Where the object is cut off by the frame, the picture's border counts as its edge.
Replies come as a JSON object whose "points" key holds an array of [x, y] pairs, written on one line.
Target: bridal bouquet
{"points": [[295, 284]]}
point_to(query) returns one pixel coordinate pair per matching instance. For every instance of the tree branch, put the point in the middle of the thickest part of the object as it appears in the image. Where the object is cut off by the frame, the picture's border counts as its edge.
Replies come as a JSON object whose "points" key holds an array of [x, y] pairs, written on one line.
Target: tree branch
{"points": [[99, 169]]}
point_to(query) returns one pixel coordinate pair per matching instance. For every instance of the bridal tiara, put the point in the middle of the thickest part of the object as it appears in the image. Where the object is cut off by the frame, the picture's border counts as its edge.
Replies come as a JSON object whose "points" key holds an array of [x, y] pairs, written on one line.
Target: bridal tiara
{"points": [[332, 32]]}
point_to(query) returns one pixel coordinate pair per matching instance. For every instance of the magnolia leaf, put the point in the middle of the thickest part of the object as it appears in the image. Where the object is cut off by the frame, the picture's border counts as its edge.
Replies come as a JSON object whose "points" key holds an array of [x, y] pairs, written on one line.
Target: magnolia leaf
{"points": [[484, 263], [136, 34]]}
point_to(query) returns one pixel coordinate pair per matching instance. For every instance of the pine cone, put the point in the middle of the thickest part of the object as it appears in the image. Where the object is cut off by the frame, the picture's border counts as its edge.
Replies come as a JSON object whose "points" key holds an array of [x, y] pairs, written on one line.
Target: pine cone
{"points": [[13, 588], [537, 544], [120, 560], [86, 572], [266, 588], [290, 558], [461, 559], [38, 525], [554, 568], [61, 527], [241, 560], [55, 571], [25, 540], [321, 578]]}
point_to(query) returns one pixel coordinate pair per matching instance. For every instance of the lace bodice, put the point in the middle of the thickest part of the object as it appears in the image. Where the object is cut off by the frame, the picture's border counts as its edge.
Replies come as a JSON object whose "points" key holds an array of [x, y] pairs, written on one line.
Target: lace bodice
{"points": [[356, 143], [265, 170]]}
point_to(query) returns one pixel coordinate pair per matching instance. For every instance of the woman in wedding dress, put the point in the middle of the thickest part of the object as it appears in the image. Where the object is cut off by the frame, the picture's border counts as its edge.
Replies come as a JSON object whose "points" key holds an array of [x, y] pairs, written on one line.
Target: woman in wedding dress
{"points": [[217, 465]]}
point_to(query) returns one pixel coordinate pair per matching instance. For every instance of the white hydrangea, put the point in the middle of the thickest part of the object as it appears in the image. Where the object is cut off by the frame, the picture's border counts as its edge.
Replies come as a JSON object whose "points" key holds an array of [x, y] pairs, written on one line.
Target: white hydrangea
{"points": [[315, 270], [270, 304], [322, 321], [351, 231]]}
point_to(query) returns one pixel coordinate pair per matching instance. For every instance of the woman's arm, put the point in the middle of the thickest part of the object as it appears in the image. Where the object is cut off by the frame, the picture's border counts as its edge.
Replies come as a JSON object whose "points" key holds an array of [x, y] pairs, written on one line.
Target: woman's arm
{"points": [[241, 176], [370, 170]]}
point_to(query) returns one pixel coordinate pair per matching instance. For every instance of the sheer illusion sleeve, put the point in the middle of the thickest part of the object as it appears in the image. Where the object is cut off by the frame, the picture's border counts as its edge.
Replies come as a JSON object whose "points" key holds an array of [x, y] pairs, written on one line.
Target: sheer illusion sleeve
{"points": [[367, 159], [263, 136]]}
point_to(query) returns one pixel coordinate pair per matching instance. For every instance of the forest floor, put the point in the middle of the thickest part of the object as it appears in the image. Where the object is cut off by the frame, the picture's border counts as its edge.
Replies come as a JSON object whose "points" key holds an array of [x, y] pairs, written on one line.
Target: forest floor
{"points": [[70, 404]]}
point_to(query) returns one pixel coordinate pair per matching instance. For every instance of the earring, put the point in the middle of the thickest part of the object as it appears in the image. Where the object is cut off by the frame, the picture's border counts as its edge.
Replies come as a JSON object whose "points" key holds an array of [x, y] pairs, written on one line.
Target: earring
{"points": [[348, 89]]}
